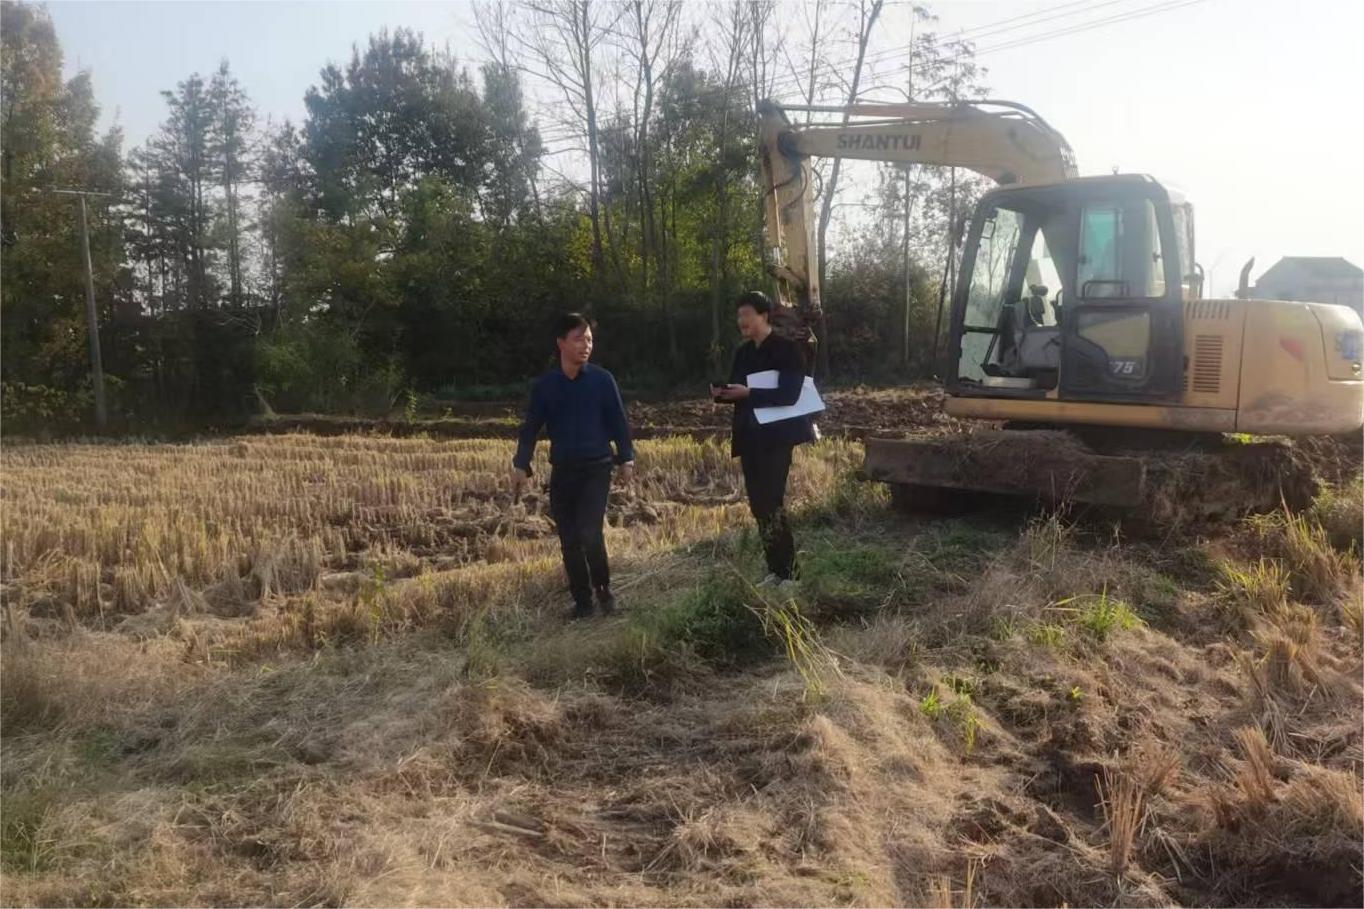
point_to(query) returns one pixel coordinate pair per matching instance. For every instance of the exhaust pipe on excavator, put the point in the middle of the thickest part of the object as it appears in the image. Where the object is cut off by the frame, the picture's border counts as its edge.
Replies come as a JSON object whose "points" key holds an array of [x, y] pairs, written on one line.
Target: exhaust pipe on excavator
{"points": [[1243, 287]]}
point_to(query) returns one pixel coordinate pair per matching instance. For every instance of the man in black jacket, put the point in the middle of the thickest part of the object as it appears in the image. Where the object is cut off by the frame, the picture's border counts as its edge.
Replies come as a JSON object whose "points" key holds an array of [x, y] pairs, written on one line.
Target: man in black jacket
{"points": [[581, 405], [764, 450]]}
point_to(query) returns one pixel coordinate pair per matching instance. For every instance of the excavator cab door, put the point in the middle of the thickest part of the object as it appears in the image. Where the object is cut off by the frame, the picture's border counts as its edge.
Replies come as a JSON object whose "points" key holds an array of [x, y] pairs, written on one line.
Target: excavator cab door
{"points": [[1122, 327]]}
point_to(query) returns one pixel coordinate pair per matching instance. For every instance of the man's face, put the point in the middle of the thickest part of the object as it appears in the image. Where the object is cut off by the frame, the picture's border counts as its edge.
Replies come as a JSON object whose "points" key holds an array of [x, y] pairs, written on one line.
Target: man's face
{"points": [[576, 346], [751, 323]]}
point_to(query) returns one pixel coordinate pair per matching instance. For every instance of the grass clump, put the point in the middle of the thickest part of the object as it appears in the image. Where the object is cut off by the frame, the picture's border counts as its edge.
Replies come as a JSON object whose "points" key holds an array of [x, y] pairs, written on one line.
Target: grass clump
{"points": [[1318, 573], [963, 715], [784, 624], [1250, 591], [848, 578], [1047, 634], [1339, 510], [711, 621], [1100, 616], [846, 496], [1122, 799], [931, 706], [946, 558], [27, 700], [25, 843], [960, 712]]}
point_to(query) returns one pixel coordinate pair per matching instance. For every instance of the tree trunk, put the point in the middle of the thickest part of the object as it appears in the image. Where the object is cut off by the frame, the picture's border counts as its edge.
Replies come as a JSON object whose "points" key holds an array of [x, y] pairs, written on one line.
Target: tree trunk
{"points": [[583, 38], [831, 186], [234, 262]]}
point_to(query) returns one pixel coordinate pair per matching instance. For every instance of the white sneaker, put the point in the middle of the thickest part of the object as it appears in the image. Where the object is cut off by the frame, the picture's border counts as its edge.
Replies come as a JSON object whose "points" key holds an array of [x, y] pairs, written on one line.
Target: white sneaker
{"points": [[770, 581]]}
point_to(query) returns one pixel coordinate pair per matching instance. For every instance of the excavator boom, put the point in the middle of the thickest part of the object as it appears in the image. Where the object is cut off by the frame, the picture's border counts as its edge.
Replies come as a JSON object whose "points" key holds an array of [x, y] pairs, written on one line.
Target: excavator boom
{"points": [[1006, 142]]}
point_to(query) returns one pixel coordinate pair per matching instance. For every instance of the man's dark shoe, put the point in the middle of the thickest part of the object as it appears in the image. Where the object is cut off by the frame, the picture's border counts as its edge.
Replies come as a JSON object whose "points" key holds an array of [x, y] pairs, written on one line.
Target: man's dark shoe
{"points": [[580, 612], [606, 600]]}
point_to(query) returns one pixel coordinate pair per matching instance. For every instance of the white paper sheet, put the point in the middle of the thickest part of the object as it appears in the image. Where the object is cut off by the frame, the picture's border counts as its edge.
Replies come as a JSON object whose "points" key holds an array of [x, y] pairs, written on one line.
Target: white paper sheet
{"points": [[809, 401]]}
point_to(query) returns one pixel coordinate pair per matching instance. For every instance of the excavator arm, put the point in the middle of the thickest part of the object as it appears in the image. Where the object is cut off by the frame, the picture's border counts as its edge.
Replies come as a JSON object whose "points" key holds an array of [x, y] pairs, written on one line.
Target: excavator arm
{"points": [[1006, 142]]}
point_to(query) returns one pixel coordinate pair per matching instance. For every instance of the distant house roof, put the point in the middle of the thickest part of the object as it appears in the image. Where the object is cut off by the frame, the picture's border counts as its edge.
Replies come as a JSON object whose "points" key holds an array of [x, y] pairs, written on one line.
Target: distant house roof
{"points": [[1326, 268]]}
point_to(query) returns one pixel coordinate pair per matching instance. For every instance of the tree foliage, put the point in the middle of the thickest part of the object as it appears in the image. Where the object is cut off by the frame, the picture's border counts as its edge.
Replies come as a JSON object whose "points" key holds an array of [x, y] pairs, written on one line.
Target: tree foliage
{"points": [[417, 229]]}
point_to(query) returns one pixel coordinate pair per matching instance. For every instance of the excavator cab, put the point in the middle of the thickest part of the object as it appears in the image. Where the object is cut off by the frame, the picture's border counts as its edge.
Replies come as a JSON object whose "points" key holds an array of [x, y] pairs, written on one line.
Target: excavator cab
{"points": [[1074, 290]]}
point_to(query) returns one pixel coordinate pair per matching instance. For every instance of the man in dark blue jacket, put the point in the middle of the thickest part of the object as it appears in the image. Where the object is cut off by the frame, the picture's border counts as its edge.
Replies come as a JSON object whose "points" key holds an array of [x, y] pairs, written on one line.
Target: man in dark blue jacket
{"points": [[581, 405], [764, 449]]}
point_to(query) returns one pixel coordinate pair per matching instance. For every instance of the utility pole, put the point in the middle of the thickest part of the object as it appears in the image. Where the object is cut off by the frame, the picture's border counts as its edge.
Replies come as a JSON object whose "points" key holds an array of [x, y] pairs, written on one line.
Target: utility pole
{"points": [[92, 320], [904, 236]]}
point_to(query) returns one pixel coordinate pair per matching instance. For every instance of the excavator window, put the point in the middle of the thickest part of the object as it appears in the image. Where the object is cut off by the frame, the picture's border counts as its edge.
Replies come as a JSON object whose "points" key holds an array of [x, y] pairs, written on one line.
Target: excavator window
{"points": [[995, 257], [1011, 336], [1184, 237], [1120, 255]]}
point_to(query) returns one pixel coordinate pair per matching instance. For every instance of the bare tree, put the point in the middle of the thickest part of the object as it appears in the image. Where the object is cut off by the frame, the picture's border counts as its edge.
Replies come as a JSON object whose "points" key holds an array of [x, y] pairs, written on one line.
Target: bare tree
{"points": [[734, 28], [868, 11], [649, 42], [496, 29], [564, 36]]}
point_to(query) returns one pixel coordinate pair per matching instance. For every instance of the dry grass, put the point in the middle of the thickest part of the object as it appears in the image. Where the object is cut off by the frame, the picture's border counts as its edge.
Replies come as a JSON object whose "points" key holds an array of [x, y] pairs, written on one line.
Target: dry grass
{"points": [[1340, 512], [110, 528], [1252, 591], [942, 892], [1154, 765], [331, 671], [1318, 572], [1122, 798], [1255, 774]]}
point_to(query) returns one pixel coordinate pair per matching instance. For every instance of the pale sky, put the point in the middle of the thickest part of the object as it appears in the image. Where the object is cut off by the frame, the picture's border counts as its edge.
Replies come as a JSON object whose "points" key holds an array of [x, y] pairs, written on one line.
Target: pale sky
{"points": [[1247, 106]]}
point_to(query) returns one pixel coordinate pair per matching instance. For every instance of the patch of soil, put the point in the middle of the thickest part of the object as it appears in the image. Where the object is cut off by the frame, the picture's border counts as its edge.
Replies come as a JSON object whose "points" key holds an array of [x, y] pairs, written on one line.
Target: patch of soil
{"points": [[854, 413]]}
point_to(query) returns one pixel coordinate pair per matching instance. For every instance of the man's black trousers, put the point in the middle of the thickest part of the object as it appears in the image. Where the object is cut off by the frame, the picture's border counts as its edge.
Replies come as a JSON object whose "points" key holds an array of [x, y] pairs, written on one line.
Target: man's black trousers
{"points": [[577, 500], [765, 472]]}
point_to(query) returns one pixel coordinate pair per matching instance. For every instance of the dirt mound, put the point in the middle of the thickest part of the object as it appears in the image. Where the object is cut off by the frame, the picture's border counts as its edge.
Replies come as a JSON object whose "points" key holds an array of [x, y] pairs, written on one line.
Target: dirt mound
{"points": [[1225, 481], [854, 412]]}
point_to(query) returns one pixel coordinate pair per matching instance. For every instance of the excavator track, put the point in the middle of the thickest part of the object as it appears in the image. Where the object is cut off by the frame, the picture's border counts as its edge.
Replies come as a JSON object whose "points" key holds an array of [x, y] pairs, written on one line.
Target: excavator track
{"points": [[1153, 481]]}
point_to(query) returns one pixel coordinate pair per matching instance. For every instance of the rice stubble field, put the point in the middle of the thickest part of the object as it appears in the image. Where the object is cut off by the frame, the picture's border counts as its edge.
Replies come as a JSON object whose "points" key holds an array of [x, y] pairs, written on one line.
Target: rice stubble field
{"points": [[296, 669]]}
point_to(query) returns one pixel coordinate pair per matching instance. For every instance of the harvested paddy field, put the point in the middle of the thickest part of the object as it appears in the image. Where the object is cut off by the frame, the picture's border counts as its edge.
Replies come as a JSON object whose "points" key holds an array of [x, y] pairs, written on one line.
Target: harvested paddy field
{"points": [[296, 669]]}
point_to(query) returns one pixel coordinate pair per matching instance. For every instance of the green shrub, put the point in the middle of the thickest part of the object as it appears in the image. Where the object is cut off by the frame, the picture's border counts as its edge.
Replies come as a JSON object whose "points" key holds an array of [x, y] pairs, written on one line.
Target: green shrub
{"points": [[43, 409], [321, 368], [848, 577], [713, 621], [1100, 616]]}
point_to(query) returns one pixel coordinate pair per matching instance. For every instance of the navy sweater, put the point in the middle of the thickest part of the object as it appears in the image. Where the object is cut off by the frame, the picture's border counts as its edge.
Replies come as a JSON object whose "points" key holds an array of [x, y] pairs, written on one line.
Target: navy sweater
{"points": [[584, 416]]}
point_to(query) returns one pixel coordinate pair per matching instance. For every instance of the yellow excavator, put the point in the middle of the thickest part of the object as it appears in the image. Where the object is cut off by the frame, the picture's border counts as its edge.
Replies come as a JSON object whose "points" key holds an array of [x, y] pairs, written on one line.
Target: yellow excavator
{"points": [[1078, 323]]}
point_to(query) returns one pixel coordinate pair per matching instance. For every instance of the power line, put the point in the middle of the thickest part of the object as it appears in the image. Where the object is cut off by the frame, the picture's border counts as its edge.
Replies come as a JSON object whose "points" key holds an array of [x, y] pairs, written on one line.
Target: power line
{"points": [[1084, 27], [794, 80], [990, 29]]}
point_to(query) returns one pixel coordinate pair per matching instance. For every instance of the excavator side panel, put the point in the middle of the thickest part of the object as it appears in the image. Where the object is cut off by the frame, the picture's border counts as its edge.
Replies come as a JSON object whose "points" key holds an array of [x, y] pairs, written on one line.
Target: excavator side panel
{"points": [[1213, 330], [1291, 355]]}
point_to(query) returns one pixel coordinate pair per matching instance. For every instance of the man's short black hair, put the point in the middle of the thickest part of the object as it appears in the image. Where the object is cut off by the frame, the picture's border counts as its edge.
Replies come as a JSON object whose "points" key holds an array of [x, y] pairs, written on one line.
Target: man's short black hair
{"points": [[569, 321], [758, 300]]}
